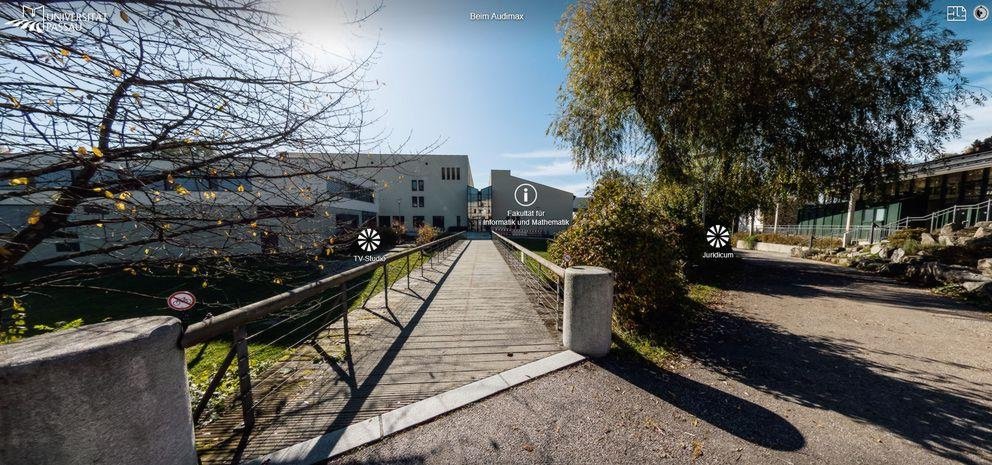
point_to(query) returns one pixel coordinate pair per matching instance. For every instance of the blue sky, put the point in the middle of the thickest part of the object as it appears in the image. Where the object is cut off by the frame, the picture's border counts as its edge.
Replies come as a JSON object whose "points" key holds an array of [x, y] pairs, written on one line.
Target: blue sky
{"points": [[489, 88]]}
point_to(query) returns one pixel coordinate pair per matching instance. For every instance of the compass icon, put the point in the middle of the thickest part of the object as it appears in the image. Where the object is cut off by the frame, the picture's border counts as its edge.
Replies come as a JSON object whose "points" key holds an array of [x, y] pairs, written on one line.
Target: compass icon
{"points": [[368, 240], [717, 236]]}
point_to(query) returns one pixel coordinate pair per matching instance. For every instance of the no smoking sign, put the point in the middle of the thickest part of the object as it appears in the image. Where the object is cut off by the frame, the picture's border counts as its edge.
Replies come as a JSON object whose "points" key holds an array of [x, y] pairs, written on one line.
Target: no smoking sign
{"points": [[181, 301]]}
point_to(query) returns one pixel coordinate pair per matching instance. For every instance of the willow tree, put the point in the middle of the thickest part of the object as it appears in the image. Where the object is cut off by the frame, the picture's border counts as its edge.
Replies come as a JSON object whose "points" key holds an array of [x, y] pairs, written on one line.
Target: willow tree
{"points": [[780, 96]]}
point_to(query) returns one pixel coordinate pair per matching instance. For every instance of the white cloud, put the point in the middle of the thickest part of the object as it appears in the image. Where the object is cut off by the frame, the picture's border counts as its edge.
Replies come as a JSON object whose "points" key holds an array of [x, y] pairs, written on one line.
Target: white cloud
{"points": [[979, 126], [557, 168], [539, 154], [579, 189]]}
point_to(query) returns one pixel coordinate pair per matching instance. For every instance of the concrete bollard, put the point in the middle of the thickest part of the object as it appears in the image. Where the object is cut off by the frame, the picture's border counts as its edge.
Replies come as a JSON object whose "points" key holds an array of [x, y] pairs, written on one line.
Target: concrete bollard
{"points": [[109, 393], [588, 310]]}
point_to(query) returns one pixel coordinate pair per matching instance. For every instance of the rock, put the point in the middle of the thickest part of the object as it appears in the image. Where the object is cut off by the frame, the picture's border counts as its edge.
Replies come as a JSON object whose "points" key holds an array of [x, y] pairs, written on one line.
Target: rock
{"points": [[883, 252], [985, 266], [843, 262], [981, 232], [926, 240], [972, 286], [875, 249], [946, 241], [956, 274], [923, 272], [949, 228], [984, 224], [897, 255], [962, 240]]}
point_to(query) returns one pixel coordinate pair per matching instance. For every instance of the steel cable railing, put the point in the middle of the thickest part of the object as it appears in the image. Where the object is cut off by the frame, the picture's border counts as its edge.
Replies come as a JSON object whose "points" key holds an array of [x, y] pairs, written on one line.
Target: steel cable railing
{"points": [[542, 278], [306, 312]]}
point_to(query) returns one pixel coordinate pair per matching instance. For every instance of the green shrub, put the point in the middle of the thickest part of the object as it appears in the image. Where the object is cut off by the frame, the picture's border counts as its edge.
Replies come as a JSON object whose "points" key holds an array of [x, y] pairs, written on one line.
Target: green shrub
{"points": [[911, 246], [426, 233], [899, 237], [623, 230], [800, 240]]}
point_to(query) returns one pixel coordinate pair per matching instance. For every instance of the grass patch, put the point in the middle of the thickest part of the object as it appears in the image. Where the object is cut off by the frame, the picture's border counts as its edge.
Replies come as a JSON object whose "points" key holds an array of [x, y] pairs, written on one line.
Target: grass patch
{"points": [[534, 244], [657, 347]]}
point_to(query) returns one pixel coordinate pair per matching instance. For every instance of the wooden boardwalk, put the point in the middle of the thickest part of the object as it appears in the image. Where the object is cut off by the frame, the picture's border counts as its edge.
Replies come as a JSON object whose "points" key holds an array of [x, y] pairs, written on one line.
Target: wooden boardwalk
{"points": [[466, 319]]}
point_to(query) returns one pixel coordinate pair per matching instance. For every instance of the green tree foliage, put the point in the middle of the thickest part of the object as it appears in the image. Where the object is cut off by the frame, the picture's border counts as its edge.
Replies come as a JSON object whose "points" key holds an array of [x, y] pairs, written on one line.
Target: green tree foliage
{"points": [[796, 94], [979, 145], [623, 229]]}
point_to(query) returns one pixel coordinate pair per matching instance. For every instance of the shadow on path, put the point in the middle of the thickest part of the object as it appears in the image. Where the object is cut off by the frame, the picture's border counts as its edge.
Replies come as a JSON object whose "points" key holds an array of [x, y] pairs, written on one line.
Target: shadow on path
{"points": [[744, 419], [952, 420]]}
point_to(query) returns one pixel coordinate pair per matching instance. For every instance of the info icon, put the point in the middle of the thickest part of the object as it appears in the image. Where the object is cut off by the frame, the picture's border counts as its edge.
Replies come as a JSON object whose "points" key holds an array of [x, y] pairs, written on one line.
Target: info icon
{"points": [[981, 12]]}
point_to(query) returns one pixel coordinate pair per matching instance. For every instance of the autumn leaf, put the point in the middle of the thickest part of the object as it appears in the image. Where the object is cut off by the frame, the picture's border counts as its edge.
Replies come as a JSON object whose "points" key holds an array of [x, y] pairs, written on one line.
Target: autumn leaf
{"points": [[64, 52], [121, 206], [86, 58], [97, 152], [81, 151], [17, 305], [117, 73], [241, 188], [19, 181], [182, 190], [277, 281], [13, 100], [108, 194], [125, 17], [34, 217]]}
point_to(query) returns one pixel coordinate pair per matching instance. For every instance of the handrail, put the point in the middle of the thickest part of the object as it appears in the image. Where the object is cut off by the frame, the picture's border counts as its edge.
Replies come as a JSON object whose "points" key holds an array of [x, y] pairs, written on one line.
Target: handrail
{"points": [[939, 213], [539, 259], [226, 322]]}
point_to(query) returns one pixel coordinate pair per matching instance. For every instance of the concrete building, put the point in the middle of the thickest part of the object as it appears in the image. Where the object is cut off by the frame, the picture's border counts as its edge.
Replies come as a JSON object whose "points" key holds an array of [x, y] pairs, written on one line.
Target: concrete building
{"points": [[526, 208]]}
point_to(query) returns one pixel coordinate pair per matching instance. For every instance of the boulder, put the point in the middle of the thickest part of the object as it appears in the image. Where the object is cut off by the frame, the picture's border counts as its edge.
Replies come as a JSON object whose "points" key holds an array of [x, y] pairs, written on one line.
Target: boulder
{"points": [[875, 249], [883, 252], [926, 240], [982, 232], [949, 228], [946, 241], [985, 266], [897, 255], [984, 224], [963, 240], [956, 274]]}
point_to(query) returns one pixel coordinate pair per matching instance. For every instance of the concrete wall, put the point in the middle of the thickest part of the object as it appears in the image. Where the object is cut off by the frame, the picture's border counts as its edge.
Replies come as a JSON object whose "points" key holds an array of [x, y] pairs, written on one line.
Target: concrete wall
{"points": [[555, 203], [767, 247], [110, 393], [442, 197]]}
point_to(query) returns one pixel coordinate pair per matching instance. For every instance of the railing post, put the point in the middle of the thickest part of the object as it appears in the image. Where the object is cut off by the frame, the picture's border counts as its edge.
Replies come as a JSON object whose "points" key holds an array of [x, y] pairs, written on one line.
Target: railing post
{"points": [[244, 376], [385, 282], [408, 271], [111, 393], [588, 311]]}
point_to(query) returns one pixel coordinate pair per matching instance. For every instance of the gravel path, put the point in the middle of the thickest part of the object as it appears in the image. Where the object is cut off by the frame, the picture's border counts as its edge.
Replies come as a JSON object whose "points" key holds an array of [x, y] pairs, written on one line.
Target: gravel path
{"points": [[802, 363]]}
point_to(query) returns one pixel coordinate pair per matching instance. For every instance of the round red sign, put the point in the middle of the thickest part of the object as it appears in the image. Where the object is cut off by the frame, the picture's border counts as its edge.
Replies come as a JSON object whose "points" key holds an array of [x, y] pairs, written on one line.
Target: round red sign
{"points": [[182, 300]]}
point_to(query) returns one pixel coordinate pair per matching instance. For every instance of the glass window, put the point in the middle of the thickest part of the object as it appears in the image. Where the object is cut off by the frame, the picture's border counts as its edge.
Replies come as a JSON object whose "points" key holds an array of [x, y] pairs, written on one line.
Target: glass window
{"points": [[413, 184], [418, 221], [458, 173], [420, 184]]}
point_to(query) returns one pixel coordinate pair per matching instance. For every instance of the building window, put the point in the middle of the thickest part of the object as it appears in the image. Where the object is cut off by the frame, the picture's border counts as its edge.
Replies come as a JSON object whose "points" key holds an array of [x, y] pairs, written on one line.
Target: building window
{"points": [[383, 221], [450, 174], [350, 191], [418, 222], [413, 184], [438, 222], [420, 184], [417, 201], [417, 185]]}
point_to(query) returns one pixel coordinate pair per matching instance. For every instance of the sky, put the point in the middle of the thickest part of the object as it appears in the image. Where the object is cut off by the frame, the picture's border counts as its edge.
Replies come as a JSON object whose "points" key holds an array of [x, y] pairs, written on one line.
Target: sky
{"points": [[488, 89]]}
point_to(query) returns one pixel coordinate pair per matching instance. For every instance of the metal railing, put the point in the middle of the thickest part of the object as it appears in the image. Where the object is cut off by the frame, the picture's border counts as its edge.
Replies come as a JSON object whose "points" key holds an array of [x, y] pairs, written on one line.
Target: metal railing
{"points": [[279, 322], [543, 279], [967, 215], [869, 233]]}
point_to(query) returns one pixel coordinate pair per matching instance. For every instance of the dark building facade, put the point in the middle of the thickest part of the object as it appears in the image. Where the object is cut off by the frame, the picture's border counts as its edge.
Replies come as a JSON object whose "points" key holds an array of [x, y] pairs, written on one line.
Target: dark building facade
{"points": [[924, 188]]}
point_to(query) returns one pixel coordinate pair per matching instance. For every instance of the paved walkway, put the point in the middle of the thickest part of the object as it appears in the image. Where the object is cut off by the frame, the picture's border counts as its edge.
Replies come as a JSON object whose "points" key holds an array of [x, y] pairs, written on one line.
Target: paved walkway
{"points": [[800, 363], [463, 321]]}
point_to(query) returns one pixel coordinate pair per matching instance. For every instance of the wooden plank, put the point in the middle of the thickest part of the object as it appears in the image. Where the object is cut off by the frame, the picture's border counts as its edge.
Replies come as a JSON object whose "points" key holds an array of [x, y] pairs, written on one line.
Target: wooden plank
{"points": [[478, 322]]}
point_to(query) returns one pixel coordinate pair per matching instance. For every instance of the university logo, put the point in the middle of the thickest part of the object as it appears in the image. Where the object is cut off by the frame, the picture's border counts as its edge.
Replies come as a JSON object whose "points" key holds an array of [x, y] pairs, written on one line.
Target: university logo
{"points": [[40, 20], [32, 18]]}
